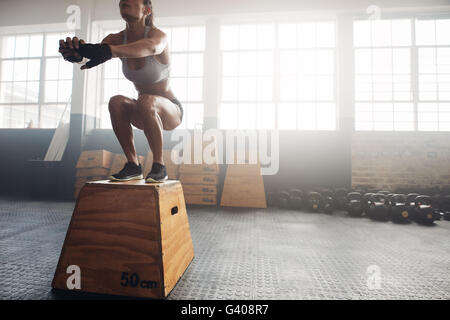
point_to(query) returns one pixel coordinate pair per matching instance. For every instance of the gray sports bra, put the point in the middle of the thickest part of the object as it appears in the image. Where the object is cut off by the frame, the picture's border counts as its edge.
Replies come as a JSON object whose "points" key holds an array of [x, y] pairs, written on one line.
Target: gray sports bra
{"points": [[152, 72]]}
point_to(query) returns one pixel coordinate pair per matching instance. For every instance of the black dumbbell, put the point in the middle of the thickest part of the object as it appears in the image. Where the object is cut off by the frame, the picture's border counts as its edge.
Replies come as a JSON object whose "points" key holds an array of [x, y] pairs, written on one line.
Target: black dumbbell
{"points": [[365, 202], [398, 208], [445, 207], [340, 198], [328, 201], [314, 201], [378, 207], [410, 203], [282, 199], [296, 198], [354, 204], [423, 212]]}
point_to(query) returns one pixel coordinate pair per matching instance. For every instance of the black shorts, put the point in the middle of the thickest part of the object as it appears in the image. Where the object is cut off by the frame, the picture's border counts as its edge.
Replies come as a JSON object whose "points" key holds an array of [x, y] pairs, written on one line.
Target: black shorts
{"points": [[178, 103]]}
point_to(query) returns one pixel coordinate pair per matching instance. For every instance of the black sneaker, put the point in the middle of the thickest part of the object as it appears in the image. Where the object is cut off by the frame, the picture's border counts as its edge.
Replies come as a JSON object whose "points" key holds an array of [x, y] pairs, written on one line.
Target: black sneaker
{"points": [[157, 174], [129, 172]]}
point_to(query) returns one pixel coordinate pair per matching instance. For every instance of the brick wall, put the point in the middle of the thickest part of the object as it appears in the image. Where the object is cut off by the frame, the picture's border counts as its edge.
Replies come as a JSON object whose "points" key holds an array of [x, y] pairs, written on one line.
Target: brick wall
{"points": [[401, 160]]}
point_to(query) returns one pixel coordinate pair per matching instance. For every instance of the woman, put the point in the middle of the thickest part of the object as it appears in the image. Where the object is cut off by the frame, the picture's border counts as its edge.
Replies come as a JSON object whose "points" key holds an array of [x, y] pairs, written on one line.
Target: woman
{"points": [[145, 59]]}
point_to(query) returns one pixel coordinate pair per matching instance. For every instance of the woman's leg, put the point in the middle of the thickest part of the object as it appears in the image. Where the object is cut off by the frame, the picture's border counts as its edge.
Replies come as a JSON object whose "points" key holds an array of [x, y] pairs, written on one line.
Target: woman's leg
{"points": [[155, 114], [121, 110]]}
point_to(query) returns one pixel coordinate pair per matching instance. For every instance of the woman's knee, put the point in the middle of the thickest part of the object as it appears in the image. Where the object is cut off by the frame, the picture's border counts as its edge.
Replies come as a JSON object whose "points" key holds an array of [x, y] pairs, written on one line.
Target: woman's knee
{"points": [[147, 105], [116, 104]]}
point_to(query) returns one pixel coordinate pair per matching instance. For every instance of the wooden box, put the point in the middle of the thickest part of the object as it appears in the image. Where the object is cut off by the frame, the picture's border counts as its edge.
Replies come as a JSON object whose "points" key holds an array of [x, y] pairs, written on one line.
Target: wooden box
{"points": [[127, 238], [95, 159], [199, 168], [202, 199], [187, 179], [243, 191], [200, 189]]}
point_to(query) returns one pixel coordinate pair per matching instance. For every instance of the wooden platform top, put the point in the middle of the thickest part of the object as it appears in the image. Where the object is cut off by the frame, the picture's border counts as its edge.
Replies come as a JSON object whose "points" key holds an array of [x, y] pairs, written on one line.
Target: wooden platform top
{"points": [[133, 184]]}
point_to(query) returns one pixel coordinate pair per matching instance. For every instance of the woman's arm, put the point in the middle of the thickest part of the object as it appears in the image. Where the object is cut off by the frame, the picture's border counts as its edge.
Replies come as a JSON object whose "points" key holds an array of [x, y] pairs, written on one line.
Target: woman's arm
{"points": [[142, 48]]}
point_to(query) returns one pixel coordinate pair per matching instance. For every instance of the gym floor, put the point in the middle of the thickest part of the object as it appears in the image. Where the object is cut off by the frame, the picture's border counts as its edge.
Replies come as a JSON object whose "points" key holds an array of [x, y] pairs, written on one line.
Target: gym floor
{"points": [[250, 254]]}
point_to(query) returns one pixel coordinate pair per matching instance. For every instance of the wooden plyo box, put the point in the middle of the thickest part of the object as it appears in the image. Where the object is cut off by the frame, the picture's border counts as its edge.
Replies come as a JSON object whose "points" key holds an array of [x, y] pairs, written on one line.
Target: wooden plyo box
{"points": [[128, 238]]}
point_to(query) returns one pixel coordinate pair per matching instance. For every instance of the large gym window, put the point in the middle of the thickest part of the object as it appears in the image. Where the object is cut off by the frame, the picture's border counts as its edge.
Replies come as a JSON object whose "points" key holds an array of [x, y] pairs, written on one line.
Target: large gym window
{"points": [[433, 45], [383, 87], [278, 76], [402, 75], [35, 83], [187, 46]]}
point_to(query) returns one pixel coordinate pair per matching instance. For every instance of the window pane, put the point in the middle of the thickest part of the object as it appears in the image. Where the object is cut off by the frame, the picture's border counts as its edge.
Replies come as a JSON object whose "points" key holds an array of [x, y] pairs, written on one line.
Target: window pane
{"points": [[381, 33], [52, 44], [287, 115], [266, 36], [286, 33], [307, 116], [401, 32], [363, 61], [247, 37], [288, 62], [196, 38], [427, 60], [443, 60], [110, 89], [31, 116], [247, 89], [7, 70], [326, 116], [20, 70], [306, 35], [50, 115], [179, 65], [248, 64], [6, 92], [264, 63], [34, 69], [51, 69], [180, 39], [22, 44], [265, 117], [425, 32], [179, 86], [229, 89], [228, 116], [382, 61], [112, 69], [247, 116], [195, 65], [8, 46], [64, 90], [325, 34], [444, 87], [230, 63], [33, 91], [195, 89], [442, 32], [362, 33], [194, 115], [20, 92], [306, 87], [264, 89], [36, 43], [51, 91], [288, 88], [229, 37], [65, 69]]}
